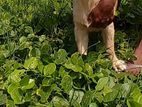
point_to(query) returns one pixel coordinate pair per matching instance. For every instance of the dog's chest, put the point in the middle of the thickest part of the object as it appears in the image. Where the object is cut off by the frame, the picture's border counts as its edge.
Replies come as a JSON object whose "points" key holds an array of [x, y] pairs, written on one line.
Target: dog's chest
{"points": [[102, 15]]}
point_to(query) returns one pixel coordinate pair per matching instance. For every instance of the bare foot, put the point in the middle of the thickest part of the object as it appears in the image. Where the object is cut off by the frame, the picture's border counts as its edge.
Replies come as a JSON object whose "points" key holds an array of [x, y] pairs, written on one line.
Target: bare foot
{"points": [[135, 67]]}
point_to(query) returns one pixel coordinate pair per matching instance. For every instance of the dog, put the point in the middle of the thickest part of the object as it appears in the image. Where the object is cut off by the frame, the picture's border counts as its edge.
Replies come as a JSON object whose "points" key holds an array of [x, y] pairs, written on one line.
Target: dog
{"points": [[96, 15]]}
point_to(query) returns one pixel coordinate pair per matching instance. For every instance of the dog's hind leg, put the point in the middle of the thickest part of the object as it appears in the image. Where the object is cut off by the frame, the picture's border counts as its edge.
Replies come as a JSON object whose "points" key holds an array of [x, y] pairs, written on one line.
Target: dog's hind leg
{"points": [[81, 37]]}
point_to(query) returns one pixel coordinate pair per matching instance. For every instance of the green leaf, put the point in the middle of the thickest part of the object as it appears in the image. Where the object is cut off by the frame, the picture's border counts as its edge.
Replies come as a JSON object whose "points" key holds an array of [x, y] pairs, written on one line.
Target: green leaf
{"points": [[49, 69], [138, 98], [75, 63], [44, 94], [135, 99], [30, 84], [125, 90], [89, 69], [60, 102], [111, 82], [111, 96], [3, 98], [28, 96], [100, 75], [73, 67], [42, 38], [28, 29], [10, 103], [60, 56], [93, 105], [76, 59], [16, 75], [135, 90], [40, 67], [62, 72], [87, 99], [23, 39], [31, 63], [76, 104], [24, 81], [98, 96], [132, 103], [37, 104], [76, 96], [67, 83], [101, 83], [106, 90], [13, 90], [47, 81], [34, 52], [24, 45]]}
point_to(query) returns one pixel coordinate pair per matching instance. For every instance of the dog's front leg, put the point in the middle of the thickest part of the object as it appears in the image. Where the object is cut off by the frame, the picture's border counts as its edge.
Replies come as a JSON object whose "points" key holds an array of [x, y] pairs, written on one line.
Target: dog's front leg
{"points": [[81, 37], [108, 36]]}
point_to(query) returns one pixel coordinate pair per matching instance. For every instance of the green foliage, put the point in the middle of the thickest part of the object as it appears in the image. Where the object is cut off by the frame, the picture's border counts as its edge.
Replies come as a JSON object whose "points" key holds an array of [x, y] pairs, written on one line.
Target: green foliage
{"points": [[35, 70], [131, 11]]}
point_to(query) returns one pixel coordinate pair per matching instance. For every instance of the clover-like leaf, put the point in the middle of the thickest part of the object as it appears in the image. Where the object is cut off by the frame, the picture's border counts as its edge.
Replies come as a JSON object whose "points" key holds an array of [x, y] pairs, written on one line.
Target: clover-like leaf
{"points": [[15, 76], [31, 63], [67, 83], [60, 102], [49, 69], [89, 69], [13, 90], [87, 99], [60, 56], [30, 84], [73, 67], [93, 105], [111, 96], [101, 83]]}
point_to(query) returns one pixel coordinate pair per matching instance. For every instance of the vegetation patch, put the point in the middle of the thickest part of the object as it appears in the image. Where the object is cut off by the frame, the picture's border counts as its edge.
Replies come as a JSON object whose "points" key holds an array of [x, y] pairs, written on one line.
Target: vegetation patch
{"points": [[39, 65]]}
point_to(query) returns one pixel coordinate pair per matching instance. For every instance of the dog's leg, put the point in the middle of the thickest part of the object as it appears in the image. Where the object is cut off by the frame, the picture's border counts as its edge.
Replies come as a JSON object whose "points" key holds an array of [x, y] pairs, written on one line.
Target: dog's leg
{"points": [[108, 36], [81, 37]]}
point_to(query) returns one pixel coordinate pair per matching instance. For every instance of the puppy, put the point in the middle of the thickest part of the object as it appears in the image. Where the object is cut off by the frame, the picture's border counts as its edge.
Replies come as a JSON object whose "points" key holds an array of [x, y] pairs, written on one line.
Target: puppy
{"points": [[96, 15]]}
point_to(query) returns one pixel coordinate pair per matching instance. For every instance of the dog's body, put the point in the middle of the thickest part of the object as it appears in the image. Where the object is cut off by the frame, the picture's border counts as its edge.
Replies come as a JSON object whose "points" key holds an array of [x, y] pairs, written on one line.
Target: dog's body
{"points": [[96, 15]]}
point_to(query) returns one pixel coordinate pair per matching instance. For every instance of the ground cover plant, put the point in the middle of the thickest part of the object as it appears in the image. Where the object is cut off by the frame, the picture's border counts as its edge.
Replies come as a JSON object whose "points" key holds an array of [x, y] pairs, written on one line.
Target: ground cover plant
{"points": [[39, 65]]}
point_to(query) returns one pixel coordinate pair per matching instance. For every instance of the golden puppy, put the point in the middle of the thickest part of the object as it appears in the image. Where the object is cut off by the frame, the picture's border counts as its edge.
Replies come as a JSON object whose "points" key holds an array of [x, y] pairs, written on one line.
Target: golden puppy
{"points": [[96, 15]]}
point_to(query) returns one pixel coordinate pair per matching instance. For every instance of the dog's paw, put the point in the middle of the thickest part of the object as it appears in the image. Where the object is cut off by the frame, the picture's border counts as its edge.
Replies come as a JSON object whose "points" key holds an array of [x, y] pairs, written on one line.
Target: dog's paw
{"points": [[119, 65]]}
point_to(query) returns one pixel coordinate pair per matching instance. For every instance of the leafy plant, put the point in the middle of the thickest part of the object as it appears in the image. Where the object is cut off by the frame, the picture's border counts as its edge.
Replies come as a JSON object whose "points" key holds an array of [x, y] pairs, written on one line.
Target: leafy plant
{"points": [[132, 11], [35, 70]]}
